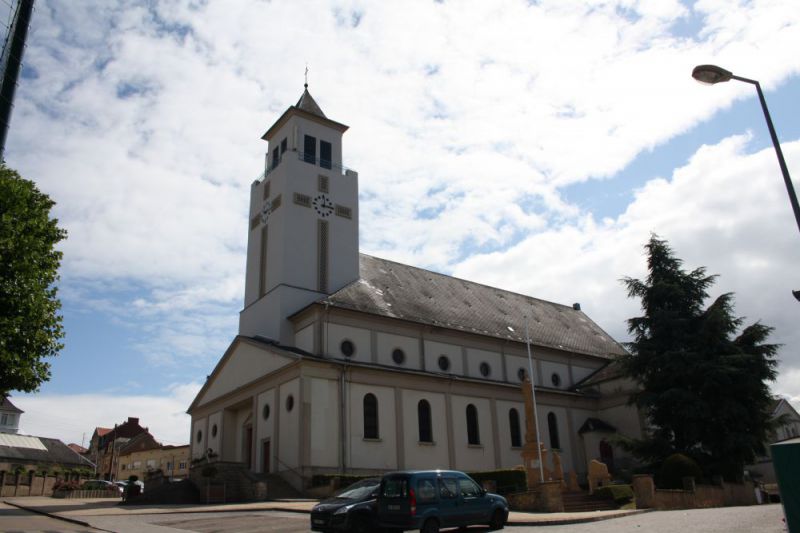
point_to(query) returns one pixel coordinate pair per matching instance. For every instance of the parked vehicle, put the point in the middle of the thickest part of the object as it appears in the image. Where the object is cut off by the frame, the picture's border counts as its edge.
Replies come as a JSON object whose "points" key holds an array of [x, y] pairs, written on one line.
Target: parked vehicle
{"points": [[101, 484], [431, 499], [350, 509]]}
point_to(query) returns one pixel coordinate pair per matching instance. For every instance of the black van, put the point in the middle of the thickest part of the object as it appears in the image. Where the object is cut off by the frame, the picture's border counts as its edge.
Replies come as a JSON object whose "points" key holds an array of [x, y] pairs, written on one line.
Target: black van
{"points": [[431, 499]]}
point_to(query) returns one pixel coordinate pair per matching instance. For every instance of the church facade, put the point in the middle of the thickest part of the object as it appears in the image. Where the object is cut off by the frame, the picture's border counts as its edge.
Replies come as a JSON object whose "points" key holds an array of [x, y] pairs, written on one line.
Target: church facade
{"points": [[350, 363]]}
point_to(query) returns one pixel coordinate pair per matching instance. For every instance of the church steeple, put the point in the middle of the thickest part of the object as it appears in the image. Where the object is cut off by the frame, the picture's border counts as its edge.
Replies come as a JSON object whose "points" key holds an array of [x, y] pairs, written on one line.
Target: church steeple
{"points": [[303, 238]]}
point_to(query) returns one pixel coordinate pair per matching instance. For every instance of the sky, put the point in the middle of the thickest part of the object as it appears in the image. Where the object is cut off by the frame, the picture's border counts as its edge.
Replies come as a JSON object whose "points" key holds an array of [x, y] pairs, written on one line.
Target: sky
{"points": [[532, 146]]}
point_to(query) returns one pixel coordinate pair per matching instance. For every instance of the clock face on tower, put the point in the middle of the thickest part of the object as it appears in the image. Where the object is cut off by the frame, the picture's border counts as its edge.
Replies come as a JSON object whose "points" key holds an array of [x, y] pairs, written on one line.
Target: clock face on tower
{"points": [[322, 205]]}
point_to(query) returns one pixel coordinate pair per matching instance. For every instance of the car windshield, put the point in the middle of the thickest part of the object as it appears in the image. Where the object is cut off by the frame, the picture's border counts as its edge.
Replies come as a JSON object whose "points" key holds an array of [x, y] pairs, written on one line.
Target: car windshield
{"points": [[360, 489]]}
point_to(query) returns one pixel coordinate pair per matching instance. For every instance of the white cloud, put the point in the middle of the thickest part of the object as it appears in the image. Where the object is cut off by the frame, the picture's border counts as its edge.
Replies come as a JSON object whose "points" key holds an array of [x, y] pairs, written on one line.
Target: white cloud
{"points": [[143, 123], [73, 417]]}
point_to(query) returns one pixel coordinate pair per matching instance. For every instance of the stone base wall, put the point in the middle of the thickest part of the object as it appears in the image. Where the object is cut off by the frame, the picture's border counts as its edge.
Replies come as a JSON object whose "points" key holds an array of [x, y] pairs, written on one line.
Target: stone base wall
{"points": [[703, 496], [545, 498]]}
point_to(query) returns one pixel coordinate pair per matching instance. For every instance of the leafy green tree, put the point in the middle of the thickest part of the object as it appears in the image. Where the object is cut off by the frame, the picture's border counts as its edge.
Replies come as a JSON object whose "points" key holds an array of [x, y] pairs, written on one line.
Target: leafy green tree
{"points": [[703, 390], [30, 326]]}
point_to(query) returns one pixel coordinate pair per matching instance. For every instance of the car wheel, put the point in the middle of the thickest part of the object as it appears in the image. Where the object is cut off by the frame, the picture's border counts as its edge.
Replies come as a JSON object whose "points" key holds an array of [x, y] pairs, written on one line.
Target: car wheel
{"points": [[497, 521], [431, 525]]}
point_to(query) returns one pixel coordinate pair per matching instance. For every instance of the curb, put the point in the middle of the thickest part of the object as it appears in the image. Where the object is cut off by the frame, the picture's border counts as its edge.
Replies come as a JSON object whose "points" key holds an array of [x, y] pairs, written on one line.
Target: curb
{"points": [[55, 516], [568, 521]]}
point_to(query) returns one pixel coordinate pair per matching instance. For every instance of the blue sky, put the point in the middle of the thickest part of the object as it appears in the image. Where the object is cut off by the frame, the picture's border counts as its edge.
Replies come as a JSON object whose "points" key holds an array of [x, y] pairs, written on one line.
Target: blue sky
{"points": [[533, 147]]}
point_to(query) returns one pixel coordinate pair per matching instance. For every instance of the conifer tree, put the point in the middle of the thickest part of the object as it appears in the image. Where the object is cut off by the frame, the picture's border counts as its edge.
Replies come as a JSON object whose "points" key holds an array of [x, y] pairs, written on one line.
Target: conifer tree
{"points": [[704, 390]]}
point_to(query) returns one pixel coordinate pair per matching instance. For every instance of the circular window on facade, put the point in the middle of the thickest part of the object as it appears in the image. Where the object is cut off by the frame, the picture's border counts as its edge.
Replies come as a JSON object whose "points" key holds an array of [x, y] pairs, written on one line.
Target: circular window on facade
{"points": [[199, 435], [347, 348], [398, 356], [444, 363], [214, 430], [485, 369], [521, 374], [289, 402], [555, 379], [265, 411]]}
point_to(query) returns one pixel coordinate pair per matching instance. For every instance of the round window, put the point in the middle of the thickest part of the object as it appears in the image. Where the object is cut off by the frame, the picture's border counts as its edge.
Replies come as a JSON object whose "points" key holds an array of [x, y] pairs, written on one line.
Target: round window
{"points": [[265, 411], [347, 348], [444, 363], [214, 430], [398, 356], [485, 369], [521, 374], [199, 435], [555, 379], [289, 402]]}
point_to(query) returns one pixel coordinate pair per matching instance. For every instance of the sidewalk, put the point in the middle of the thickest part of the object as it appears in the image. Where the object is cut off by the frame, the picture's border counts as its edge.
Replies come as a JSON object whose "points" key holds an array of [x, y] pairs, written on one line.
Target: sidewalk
{"points": [[83, 510]]}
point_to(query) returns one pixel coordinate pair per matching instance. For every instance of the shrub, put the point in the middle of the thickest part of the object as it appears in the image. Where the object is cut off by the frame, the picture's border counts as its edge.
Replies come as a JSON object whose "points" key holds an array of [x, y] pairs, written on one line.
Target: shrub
{"points": [[676, 467], [621, 494], [65, 486]]}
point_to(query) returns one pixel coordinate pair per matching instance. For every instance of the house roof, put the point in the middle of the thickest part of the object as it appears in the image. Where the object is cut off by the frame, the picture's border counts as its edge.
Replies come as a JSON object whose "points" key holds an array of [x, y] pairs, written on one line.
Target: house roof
{"points": [[401, 291], [77, 448], [102, 431], [29, 449], [6, 405]]}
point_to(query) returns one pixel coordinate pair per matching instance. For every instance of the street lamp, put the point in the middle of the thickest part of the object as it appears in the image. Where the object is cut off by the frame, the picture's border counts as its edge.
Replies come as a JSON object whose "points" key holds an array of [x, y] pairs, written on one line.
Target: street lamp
{"points": [[711, 74]]}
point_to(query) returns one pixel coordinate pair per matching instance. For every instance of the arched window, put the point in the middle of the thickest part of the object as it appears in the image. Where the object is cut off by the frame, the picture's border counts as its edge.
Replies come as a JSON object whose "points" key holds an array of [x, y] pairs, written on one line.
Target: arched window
{"points": [[424, 417], [473, 433], [552, 425], [370, 416], [513, 424]]}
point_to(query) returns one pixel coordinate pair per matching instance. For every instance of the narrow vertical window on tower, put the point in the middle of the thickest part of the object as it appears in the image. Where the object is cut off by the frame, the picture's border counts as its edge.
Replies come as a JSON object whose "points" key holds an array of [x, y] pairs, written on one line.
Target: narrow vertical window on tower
{"points": [[276, 157], [473, 433], [552, 425], [325, 154], [322, 256], [424, 419], [310, 149], [513, 424], [262, 271], [283, 146]]}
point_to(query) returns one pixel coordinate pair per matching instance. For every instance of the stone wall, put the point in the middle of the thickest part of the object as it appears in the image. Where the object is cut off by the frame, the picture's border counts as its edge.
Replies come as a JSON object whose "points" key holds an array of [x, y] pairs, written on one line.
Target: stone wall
{"points": [[25, 484], [546, 498], [694, 497]]}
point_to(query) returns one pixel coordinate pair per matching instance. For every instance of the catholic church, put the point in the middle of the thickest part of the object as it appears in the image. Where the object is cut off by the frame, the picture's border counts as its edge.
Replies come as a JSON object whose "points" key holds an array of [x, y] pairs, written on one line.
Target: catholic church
{"points": [[349, 363]]}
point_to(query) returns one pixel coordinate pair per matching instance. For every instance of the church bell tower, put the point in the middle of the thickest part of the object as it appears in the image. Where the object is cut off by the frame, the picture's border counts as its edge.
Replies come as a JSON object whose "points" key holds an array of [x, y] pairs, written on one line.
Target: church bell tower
{"points": [[303, 232]]}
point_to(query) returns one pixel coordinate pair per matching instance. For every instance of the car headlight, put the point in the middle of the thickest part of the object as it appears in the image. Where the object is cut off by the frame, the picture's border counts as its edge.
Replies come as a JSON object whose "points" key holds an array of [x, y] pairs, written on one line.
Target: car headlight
{"points": [[343, 510]]}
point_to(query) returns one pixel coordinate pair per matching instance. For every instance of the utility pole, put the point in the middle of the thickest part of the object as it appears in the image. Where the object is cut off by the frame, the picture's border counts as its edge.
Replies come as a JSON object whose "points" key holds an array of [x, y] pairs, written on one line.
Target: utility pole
{"points": [[10, 63]]}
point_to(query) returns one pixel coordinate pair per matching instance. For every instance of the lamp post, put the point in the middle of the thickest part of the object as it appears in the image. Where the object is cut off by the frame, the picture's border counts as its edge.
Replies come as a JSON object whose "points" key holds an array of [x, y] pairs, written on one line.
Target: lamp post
{"points": [[711, 74]]}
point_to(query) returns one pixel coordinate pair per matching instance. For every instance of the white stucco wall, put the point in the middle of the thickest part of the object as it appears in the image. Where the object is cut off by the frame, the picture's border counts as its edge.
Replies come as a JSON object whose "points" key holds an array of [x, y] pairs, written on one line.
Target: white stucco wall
{"points": [[360, 337], [265, 429], [472, 457], [435, 349], [509, 456], [380, 453], [304, 339], [424, 456], [199, 446], [289, 426], [387, 343], [493, 359], [213, 442], [549, 368], [323, 395], [246, 363], [514, 363]]}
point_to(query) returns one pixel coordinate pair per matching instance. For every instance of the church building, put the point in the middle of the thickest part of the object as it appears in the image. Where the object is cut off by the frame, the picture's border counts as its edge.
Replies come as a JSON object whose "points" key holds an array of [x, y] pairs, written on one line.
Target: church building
{"points": [[348, 363]]}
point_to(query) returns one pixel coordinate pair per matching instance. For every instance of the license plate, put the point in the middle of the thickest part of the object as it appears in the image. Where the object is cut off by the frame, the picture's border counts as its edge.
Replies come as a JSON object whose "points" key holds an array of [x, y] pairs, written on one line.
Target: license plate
{"points": [[319, 522], [394, 507]]}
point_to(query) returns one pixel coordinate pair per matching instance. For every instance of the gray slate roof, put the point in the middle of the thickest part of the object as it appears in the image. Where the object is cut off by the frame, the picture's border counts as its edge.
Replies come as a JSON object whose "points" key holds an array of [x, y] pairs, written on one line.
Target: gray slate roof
{"points": [[400, 291]]}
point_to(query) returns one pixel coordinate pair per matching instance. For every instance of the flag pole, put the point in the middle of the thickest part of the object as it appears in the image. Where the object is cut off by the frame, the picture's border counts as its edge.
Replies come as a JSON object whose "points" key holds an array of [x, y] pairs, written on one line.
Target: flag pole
{"points": [[533, 395]]}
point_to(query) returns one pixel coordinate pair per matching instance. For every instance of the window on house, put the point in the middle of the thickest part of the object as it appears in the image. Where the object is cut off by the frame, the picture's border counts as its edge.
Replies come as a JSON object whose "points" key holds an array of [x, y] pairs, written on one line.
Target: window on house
{"points": [[473, 433], [424, 419], [325, 154], [182, 466], [552, 425], [4, 419], [283, 146], [370, 416], [310, 149], [513, 424]]}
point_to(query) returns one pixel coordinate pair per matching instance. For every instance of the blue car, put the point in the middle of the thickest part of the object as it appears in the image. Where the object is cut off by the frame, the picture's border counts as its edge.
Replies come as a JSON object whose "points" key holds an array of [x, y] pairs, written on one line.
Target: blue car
{"points": [[431, 499]]}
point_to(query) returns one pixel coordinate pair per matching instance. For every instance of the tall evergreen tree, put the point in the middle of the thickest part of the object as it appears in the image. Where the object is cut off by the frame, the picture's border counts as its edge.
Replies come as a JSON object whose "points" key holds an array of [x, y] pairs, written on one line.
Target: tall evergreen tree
{"points": [[30, 326], [703, 390]]}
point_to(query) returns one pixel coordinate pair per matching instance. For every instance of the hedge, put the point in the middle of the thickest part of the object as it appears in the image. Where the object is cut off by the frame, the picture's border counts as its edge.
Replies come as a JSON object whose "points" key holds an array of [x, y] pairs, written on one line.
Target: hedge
{"points": [[507, 480], [621, 494]]}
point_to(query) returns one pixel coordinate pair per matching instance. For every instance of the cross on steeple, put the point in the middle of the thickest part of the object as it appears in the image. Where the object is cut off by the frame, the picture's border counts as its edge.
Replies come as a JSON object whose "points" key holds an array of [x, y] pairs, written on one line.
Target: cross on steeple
{"points": [[306, 83]]}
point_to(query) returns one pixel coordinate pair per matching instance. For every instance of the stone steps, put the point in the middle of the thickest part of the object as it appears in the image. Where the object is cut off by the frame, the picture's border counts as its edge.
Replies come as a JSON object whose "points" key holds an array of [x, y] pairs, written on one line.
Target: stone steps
{"points": [[582, 502]]}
